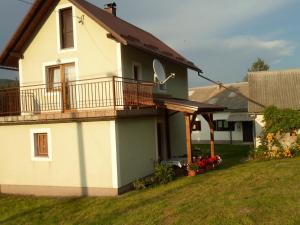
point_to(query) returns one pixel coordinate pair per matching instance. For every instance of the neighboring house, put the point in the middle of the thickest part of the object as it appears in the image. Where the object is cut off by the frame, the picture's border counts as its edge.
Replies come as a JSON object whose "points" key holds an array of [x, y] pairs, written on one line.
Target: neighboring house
{"points": [[272, 88], [234, 125], [87, 118]]}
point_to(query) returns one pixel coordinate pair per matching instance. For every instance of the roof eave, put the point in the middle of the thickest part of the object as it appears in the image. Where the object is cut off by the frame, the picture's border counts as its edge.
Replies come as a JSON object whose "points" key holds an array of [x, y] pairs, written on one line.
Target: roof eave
{"points": [[192, 67], [114, 34], [19, 33]]}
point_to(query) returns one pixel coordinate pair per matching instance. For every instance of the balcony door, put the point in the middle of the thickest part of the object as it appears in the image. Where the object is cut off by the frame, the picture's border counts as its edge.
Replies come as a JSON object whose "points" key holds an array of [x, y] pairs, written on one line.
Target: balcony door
{"points": [[68, 94], [60, 78]]}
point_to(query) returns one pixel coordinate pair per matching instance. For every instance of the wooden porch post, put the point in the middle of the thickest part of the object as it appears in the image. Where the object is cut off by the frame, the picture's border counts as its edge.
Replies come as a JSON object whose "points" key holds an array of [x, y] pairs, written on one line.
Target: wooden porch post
{"points": [[209, 118], [188, 137], [212, 137]]}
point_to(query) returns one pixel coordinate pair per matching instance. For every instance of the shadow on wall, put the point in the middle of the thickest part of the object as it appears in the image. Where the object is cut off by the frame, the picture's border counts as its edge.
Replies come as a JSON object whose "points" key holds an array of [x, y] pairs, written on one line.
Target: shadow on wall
{"points": [[81, 157]]}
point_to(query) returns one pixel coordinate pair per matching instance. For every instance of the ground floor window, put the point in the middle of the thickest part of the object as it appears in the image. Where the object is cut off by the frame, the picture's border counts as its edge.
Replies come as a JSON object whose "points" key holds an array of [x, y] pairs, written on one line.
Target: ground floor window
{"points": [[223, 125], [41, 144]]}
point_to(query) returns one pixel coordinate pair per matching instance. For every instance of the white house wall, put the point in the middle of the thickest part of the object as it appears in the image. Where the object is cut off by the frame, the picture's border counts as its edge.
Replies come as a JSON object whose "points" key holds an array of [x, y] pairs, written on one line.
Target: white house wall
{"points": [[259, 126], [81, 158], [136, 141], [203, 136]]}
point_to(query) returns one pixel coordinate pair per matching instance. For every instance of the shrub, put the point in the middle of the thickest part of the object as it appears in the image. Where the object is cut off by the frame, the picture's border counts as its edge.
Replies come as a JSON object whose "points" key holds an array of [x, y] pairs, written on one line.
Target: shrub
{"points": [[139, 184], [193, 166], [276, 142], [163, 173], [281, 120], [144, 183]]}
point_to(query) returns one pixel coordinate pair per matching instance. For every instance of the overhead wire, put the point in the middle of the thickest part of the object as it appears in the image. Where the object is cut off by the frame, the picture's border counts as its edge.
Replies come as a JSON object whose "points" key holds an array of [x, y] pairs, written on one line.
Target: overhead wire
{"points": [[231, 89], [26, 2]]}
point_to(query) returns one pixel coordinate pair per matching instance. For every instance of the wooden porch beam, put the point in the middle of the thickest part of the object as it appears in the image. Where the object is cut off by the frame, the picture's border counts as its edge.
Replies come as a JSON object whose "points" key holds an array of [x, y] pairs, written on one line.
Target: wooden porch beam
{"points": [[188, 137]]}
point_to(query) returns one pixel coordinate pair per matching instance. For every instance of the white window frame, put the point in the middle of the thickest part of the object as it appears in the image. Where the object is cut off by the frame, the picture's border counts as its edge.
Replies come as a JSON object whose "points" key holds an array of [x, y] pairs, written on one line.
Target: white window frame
{"points": [[54, 63], [33, 146], [140, 68], [57, 9], [45, 65]]}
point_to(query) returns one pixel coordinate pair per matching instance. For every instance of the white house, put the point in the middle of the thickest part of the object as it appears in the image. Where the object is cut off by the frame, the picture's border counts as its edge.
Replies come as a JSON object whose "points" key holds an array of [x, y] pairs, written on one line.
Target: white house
{"points": [[233, 125]]}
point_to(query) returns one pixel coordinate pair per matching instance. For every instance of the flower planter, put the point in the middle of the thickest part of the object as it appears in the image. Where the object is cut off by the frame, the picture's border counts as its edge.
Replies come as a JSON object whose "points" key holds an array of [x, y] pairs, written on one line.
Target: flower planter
{"points": [[210, 167], [192, 173]]}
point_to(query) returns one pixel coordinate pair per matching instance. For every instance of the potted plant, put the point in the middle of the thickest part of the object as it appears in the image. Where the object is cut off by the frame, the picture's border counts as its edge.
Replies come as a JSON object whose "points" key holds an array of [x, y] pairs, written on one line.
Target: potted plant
{"points": [[192, 169]]}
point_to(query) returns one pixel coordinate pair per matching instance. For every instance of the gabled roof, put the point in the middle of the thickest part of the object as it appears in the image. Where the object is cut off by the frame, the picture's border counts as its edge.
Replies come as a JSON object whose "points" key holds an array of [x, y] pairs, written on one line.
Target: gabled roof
{"points": [[118, 29], [215, 94], [278, 88]]}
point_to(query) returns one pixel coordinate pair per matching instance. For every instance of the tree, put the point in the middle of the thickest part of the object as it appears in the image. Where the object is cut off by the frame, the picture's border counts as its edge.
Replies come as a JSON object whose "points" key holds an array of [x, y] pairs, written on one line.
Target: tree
{"points": [[258, 65]]}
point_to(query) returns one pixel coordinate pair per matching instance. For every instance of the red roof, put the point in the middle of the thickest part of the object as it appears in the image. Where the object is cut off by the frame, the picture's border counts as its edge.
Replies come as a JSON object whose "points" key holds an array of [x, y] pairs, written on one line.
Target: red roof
{"points": [[118, 29]]}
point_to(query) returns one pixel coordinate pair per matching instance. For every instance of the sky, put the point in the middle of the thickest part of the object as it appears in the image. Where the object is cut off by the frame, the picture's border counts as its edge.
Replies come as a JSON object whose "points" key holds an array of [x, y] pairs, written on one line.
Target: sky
{"points": [[222, 37]]}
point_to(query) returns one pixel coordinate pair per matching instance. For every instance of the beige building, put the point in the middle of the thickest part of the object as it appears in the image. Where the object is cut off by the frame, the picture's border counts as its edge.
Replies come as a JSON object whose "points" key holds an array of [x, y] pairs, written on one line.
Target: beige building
{"points": [[88, 117], [272, 88]]}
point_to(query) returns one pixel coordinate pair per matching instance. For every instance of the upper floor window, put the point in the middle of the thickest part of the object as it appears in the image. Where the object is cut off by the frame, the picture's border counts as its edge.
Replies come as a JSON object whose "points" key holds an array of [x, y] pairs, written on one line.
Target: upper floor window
{"points": [[58, 74], [53, 78], [66, 28], [137, 71]]}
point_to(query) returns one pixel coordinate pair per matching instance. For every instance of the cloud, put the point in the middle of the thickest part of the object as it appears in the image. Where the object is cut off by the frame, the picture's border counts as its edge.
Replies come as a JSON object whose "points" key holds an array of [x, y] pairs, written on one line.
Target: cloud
{"points": [[227, 59], [192, 21], [278, 48]]}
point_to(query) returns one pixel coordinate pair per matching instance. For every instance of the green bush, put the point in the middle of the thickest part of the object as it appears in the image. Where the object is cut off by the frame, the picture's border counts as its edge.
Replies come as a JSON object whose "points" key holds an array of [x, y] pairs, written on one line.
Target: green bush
{"points": [[163, 173], [139, 184], [193, 167], [278, 122], [281, 120], [144, 183]]}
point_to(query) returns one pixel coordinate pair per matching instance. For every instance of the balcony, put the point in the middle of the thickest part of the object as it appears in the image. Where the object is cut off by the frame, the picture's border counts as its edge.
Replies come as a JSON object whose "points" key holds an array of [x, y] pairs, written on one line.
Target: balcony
{"points": [[73, 99]]}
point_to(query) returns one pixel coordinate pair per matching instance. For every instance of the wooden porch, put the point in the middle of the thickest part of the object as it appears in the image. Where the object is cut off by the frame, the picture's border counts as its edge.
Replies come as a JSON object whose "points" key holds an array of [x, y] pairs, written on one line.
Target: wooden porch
{"points": [[191, 110]]}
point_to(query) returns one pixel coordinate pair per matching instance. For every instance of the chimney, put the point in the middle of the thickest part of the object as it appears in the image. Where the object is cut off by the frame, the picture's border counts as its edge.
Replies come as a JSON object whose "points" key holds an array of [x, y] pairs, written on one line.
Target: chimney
{"points": [[111, 8]]}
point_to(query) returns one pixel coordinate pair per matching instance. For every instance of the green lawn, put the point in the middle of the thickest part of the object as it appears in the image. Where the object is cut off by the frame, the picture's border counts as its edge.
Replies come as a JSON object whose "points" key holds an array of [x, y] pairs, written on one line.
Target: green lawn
{"points": [[240, 192]]}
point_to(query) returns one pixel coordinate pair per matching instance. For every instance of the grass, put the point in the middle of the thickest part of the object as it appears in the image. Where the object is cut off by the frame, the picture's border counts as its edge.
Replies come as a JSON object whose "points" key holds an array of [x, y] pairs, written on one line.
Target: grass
{"points": [[240, 192]]}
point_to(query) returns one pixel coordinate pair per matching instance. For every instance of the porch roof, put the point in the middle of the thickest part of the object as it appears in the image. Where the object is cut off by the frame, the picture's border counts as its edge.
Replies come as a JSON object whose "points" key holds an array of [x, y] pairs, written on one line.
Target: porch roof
{"points": [[187, 106]]}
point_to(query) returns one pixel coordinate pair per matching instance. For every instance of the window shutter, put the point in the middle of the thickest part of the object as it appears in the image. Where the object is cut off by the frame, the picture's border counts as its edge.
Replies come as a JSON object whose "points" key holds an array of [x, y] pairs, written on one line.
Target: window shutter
{"points": [[42, 144], [66, 28]]}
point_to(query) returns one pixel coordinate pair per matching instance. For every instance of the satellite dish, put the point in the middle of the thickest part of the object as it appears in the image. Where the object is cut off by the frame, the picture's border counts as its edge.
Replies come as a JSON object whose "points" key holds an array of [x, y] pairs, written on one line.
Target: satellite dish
{"points": [[159, 72]]}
